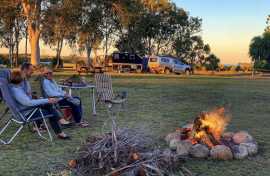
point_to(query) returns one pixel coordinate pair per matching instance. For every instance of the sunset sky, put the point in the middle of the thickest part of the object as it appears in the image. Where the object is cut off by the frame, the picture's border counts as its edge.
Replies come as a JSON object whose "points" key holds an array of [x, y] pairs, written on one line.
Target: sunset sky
{"points": [[229, 25]]}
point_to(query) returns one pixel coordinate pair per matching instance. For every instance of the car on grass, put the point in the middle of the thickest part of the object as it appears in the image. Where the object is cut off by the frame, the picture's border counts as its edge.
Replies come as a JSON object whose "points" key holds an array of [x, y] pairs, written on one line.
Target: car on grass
{"points": [[167, 65]]}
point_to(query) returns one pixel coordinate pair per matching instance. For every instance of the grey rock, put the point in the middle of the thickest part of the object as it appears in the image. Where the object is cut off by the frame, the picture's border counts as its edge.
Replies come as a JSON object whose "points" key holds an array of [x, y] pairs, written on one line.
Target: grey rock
{"points": [[239, 152], [183, 147], [221, 152], [199, 151], [173, 143], [171, 136], [252, 148], [242, 137]]}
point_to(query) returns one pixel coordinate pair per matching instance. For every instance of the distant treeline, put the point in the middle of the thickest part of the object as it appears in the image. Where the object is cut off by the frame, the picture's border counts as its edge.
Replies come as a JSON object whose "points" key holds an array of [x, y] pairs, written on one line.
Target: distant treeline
{"points": [[138, 26]]}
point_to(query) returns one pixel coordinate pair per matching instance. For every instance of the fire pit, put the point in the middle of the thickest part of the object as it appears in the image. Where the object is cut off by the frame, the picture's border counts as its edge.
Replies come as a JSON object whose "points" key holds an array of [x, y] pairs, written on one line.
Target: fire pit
{"points": [[206, 137]]}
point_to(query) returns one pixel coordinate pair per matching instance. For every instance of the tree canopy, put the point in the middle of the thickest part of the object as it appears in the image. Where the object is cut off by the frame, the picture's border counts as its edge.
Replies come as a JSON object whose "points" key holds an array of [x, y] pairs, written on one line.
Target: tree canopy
{"points": [[139, 26], [259, 48]]}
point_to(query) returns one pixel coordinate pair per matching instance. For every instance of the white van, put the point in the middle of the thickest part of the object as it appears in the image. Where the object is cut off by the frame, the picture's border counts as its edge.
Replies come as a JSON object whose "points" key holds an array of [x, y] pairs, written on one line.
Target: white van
{"points": [[167, 65]]}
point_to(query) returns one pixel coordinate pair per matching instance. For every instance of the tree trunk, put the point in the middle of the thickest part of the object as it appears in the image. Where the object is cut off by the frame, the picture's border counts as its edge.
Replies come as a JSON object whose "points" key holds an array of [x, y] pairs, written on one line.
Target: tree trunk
{"points": [[10, 53], [17, 33], [57, 55], [88, 52], [32, 11], [58, 52], [149, 47], [35, 50], [26, 41], [17, 52]]}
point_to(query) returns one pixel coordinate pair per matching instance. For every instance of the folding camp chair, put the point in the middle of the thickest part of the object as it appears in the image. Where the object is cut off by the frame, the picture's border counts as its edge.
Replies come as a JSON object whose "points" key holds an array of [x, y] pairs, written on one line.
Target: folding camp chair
{"points": [[20, 117], [44, 94], [4, 74], [113, 102], [105, 95], [104, 90]]}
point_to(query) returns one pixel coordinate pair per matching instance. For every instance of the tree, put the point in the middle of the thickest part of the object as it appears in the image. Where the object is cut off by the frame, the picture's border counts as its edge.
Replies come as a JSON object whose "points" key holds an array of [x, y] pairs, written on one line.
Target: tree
{"points": [[259, 48], [60, 25], [32, 12], [212, 62], [11, 25], [267, 29], [89, 27], [159, 27]]}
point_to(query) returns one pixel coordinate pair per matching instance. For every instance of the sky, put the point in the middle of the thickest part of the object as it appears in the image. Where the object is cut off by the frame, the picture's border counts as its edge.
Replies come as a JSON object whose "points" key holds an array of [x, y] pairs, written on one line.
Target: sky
{"points": [[229, 25]]}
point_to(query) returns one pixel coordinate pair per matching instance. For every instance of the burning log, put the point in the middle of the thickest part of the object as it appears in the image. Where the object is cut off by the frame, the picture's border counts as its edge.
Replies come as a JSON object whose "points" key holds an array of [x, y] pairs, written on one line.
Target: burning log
{"points": [[209, 126]]}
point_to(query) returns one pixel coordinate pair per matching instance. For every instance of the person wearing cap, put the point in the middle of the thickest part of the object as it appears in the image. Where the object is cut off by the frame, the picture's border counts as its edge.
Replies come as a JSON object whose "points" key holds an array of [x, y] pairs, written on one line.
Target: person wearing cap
{"points": [[52, 89]]}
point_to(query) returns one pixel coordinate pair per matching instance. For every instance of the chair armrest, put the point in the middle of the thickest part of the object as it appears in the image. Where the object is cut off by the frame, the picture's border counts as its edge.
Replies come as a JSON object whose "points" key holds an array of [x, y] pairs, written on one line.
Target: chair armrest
{"points": [[33, 107], [119, 98], [122, 95]]}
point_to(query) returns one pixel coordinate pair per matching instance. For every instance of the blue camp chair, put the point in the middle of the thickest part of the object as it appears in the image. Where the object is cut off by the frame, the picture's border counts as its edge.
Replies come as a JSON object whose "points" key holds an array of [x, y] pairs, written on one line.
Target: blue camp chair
{"points": [[21, 117], [44, 95], [5, 74]]}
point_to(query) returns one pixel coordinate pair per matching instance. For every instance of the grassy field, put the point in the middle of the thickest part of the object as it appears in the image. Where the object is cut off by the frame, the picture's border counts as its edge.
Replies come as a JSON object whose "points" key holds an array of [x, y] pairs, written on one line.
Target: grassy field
{"points": [[161, 104]]}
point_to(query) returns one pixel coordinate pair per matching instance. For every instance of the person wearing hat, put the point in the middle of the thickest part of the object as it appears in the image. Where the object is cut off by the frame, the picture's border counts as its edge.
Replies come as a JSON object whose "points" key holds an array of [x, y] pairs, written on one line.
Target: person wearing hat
{"points": [[52, 89]]}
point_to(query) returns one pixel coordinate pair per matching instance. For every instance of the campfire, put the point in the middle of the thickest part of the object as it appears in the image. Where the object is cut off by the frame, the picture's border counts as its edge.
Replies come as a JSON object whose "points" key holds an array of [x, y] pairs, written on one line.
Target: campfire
{"points": [[206, 136]]}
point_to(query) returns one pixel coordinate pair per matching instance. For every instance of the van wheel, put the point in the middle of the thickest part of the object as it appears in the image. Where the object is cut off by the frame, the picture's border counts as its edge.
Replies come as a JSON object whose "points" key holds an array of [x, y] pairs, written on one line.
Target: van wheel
{"points": [[167, 71], [187, 72]]}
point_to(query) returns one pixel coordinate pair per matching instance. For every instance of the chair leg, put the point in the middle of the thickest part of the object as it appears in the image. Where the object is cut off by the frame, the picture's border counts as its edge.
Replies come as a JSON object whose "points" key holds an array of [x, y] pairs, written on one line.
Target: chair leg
{"points": [[4, 128], [13, 136], [16, 133], [46, 126]]}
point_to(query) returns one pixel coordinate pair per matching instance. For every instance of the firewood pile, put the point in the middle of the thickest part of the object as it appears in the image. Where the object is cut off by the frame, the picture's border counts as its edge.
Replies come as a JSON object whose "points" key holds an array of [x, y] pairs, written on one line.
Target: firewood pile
{"points": [[135, 156]]}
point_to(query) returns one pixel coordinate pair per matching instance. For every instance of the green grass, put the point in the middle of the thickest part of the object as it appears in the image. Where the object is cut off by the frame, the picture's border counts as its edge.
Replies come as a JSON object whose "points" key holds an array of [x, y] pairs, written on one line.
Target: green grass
{"points": [[160, 104]]}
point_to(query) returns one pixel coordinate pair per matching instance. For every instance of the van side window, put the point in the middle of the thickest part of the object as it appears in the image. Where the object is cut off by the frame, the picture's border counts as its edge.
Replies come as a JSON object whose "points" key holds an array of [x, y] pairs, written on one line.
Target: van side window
{"points": [[165, 60]]}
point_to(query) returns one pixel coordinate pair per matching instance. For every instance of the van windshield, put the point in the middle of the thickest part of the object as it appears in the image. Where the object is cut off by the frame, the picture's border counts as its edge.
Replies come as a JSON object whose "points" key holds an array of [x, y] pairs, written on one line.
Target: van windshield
{"points": [[153, 59]]}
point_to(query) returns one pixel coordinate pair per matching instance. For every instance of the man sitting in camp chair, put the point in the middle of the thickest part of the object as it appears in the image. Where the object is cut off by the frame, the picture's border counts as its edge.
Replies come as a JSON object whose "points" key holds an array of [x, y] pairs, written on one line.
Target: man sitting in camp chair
{"points": [[51, 89]]}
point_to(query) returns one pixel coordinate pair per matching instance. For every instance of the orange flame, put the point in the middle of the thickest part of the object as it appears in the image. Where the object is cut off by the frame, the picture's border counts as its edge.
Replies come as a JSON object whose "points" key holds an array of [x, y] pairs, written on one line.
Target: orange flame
{"points": [[213, 123]]}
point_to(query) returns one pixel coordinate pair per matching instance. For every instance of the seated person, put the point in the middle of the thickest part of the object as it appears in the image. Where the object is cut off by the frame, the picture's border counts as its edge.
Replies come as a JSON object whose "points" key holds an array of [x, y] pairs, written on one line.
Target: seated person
{"points": [[51, 89], [27, 71], [25, 101]]}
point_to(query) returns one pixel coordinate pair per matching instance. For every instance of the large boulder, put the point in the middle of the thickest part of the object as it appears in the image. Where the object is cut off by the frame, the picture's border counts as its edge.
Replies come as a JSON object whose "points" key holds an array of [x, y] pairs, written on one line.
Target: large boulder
{"points": [[173, 143], [171, 136], [199, 151], [183, 147], [221, 152], [242, 137], [252, 148], [239, 152]]}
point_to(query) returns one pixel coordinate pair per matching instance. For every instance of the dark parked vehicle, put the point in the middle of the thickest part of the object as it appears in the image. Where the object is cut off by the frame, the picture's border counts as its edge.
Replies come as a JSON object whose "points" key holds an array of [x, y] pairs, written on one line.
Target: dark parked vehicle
{"points": [[124, 62]]}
